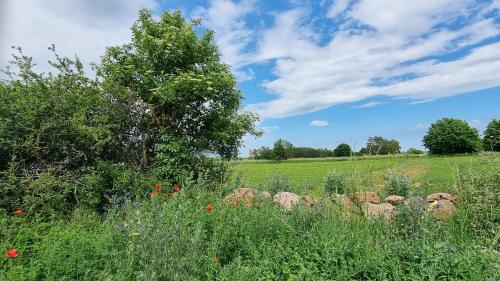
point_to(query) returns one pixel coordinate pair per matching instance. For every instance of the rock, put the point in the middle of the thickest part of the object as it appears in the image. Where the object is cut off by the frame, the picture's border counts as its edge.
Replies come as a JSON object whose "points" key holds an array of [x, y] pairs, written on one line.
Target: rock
{"points": [[374, 211], [265, 195], [440, 196], [393, 199], [244, 195], [286, 200], [365, 196], [441, 209], [310, 201]]}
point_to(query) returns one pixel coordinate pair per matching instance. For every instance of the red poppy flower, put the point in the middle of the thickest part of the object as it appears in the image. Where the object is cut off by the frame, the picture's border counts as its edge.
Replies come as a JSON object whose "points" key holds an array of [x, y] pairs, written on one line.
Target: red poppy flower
{"points": [[18, 212], [209, 208], [12, 253], [158, 186], [177, 188], [234, 201], [171, 195], [164, 195], [154, 194]]}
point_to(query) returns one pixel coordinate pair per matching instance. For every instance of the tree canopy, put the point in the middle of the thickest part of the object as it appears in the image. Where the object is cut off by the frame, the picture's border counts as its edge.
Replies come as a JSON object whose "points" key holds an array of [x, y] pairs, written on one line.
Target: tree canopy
{"points": [[342, 150], [380, 146], [491, 138], [451, 136]]}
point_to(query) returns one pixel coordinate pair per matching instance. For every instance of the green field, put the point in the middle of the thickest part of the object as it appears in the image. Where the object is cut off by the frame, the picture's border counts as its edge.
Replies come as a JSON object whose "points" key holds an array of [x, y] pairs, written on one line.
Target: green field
{"points": [[306, 175]]}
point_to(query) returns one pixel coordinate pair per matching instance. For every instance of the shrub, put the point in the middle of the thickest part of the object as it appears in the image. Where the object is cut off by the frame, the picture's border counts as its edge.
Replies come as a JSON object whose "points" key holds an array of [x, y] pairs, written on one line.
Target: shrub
{"points": [[414, 151], [491, 139], [278, 182], [451, 136], [397, 184], [336, 182], [342, 150]]}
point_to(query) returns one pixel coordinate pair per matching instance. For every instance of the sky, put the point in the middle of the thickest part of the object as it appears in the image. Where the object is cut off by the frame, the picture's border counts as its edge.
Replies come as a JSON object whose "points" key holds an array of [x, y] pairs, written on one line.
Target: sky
{"points": [[318, 73]]}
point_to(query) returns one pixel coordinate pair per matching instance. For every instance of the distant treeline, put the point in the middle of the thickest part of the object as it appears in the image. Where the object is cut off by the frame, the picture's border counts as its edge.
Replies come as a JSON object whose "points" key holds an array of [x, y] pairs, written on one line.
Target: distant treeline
{"points": [[446, 136], [283, 150]]}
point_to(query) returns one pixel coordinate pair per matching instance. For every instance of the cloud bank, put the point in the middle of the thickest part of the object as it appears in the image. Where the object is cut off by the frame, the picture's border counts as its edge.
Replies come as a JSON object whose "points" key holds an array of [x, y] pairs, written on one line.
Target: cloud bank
{"points": [[419, 51]]}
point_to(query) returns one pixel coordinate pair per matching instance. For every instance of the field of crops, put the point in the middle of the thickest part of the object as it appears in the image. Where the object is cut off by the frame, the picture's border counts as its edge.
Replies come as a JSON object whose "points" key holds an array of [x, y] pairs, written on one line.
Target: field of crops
{"points": [[306, 175]]}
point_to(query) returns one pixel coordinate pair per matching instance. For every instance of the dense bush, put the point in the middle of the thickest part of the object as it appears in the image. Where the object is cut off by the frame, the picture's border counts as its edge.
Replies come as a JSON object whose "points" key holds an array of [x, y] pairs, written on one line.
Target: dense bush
{"points": [[278, 182], [162, 105], [491, 138], [397, 184], [414, 151], [336, 182], [450, 136]]}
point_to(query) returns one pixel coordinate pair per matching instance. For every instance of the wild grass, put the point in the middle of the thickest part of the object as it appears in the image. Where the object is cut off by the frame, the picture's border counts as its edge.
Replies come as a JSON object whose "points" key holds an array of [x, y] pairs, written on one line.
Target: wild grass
{"points": [[429, 173], [178, 239]]}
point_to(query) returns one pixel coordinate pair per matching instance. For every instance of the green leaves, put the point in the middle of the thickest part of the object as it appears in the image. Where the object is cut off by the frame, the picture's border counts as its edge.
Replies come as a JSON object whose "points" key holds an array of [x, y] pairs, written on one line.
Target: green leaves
{"points": [[450, 136]]}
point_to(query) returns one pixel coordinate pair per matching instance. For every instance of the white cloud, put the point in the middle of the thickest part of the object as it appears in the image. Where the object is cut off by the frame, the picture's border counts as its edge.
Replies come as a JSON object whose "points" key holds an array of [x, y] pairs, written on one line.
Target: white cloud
{"points": [[337, 7], [319, 123], [396, 57], [81, 27], [369, 104], [232, 35]]}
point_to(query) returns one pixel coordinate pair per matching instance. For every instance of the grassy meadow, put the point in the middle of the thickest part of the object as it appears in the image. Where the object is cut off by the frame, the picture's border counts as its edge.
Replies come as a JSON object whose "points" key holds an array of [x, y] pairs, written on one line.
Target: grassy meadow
{"points": [[431, 174]]}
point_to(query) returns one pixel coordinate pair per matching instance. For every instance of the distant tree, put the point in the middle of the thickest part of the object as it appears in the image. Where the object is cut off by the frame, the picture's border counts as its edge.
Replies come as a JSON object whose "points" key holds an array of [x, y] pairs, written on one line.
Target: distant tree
{"points": [[380, 146], [451, 136], [362, 151], [280, 149], [342, 150], [391, 147], [491, 139], [414, 151]]}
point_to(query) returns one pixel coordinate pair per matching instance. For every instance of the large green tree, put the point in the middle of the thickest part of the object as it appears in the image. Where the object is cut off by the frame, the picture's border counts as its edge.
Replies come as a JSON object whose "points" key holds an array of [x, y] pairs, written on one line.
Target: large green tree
{"points": [[184, 101], [451, 136], [491, 138]]}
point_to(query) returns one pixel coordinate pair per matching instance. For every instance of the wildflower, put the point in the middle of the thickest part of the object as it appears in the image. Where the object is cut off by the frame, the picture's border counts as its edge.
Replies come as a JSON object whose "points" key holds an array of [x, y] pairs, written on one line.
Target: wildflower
{"points": [[158, 186], [234, 201], [12, 253], [171, 195], [209, 207], [164, 195], [18, 212], [177, 188], [154, 194]]}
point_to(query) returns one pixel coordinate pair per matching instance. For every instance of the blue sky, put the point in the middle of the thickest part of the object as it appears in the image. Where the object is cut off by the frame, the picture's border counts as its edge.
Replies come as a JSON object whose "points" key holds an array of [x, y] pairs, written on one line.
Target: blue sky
{"points": [[317, 72]]}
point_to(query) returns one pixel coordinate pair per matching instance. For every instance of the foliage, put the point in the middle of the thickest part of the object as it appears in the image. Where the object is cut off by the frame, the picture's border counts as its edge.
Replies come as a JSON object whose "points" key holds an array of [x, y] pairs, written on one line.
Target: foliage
{"points": [[491, 138], [278, 182], [451, 136], [185, 100], [57, 118], [342, 150], [162, 105], [178, 239], [414, 151], [381, 146], [397, 184], [281, 150], [336, 182], [266, 153]]}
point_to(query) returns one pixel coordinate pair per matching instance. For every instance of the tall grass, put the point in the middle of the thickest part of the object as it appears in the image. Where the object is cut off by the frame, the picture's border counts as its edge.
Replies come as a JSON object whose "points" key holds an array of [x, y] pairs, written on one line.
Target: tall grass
{"points": [[178, 239]]}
